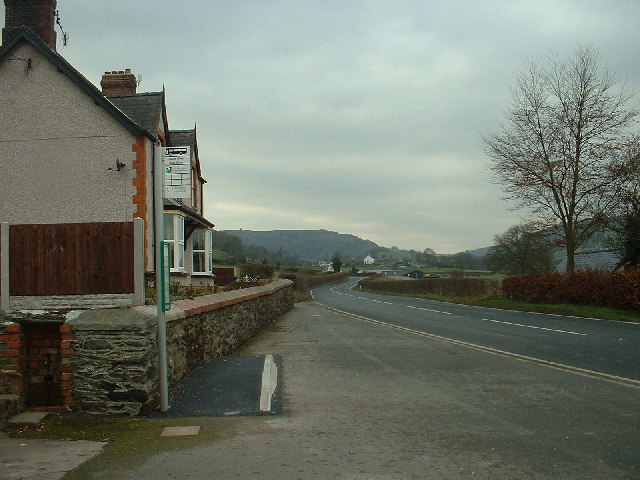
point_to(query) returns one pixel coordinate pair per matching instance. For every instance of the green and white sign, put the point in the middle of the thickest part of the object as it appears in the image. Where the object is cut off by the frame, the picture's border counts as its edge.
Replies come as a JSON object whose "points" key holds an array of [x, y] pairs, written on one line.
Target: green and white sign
{"points": [[177, 172], [165, 279]]}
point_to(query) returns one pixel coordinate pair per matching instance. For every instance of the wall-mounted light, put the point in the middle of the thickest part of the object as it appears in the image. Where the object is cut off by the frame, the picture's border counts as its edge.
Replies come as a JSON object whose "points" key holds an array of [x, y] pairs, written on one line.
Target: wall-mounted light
{"points": [[119, 165]]}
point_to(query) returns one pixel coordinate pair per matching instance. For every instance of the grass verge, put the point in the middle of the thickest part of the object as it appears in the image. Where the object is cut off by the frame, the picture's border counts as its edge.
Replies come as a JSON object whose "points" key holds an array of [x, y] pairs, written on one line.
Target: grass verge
{"points": [[586, 311]]}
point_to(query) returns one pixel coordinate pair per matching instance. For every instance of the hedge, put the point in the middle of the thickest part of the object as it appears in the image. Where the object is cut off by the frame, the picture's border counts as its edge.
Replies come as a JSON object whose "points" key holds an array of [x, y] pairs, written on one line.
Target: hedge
{"points": [[256, 271], [619, 289], [451, 287], [306, 281]]}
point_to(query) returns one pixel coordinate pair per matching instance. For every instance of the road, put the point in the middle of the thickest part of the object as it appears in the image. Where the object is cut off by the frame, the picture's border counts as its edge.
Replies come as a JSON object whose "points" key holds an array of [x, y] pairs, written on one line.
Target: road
{"points": [[589, 345], [364, 401]]}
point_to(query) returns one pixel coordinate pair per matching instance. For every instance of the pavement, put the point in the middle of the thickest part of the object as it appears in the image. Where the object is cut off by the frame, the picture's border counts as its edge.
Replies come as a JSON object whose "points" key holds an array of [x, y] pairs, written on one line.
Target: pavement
{"points": [[42, 459], [226, 386]]}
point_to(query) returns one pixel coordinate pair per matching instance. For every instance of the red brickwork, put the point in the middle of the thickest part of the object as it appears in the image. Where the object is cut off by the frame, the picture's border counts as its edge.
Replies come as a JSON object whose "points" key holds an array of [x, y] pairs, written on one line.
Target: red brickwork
{"points": [[38, 15], [121, 82], [66, 352], [35, 363], [11, 343], [140, 183]]}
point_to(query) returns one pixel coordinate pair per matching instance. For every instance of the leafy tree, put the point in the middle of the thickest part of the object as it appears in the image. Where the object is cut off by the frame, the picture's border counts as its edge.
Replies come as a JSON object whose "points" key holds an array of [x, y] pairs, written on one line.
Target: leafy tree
{"points": [[336, 262], [426, 257], [463, 260], [625, 225], [522, 249], [557, 153]]}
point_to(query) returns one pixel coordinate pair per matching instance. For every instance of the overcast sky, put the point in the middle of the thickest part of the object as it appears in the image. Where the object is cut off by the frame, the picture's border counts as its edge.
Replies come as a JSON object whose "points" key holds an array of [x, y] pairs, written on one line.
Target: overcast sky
{"points": [[362, 117]]}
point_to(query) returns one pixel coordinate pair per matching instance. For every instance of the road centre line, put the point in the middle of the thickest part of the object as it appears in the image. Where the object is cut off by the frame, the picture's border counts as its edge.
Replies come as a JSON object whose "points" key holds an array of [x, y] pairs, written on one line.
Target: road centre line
{"points": [[390, 303], [533, 326], [429, 310]]}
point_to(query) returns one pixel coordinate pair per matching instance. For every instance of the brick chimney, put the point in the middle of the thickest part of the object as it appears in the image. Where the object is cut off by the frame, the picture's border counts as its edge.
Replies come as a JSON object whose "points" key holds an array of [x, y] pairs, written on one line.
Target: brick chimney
{"points": [[38, 15], [119, 83]]}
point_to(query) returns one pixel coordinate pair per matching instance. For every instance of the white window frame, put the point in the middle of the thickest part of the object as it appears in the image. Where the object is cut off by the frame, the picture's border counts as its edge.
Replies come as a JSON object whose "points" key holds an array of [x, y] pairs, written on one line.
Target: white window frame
{"points": [[175, 239], [207, 252]]}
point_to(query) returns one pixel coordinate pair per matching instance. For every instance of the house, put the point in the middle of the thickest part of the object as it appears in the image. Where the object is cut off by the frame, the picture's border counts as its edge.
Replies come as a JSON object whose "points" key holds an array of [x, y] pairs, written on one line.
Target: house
{"points": [[369, 260], [417, 274], [71, 153]]}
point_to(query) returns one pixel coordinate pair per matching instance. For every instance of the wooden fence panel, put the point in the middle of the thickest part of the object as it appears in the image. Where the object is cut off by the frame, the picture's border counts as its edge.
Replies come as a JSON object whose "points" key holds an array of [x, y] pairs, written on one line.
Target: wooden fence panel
{"points": [[71, 258]]}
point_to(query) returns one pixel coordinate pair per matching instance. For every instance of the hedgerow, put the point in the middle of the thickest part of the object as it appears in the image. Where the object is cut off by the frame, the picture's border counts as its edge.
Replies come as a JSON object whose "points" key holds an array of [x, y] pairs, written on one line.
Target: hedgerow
{"points": [[451, 287], [620, 289]]}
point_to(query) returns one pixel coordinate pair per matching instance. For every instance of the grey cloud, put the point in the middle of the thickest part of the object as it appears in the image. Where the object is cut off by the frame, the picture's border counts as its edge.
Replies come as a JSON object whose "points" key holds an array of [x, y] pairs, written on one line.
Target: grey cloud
{"points": [[364, 117]]}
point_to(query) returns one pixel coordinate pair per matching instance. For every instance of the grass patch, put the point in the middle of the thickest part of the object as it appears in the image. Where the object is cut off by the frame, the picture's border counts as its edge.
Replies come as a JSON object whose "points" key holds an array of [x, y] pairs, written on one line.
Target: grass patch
{"points": [[587, 311], [299, 297]]}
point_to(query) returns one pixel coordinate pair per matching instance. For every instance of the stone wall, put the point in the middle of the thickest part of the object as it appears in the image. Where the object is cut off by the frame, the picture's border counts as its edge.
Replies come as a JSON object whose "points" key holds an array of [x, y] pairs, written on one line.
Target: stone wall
{"points": [[115, 361]]}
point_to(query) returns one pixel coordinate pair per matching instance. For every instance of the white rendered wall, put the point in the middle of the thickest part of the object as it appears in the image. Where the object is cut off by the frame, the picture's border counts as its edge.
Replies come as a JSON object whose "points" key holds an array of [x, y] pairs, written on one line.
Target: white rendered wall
{"points": [[56, 148]]}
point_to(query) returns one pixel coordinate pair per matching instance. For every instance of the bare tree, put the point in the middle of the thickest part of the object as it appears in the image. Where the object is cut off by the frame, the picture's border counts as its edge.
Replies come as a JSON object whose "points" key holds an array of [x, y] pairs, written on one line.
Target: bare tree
{"points": [[522, 249], [558, 154]]}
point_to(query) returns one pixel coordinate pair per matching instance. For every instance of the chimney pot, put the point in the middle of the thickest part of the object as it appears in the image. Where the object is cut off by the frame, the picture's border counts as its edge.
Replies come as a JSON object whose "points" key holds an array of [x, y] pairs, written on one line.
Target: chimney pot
{"points": [[119, 82]]}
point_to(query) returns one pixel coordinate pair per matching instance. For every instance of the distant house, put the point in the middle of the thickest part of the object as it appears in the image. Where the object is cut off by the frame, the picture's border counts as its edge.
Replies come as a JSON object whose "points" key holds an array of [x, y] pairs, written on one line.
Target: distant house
{"points": [[600, 260], [369, 260], [414, 274]]}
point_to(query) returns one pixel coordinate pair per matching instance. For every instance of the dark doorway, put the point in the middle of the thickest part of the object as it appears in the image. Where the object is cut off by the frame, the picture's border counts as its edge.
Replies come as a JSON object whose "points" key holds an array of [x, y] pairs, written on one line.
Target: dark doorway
{"points": [[42, 364]]}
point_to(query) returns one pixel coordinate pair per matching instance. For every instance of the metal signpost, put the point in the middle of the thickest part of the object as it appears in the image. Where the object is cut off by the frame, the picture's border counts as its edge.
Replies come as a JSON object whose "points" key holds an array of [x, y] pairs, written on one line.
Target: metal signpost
{"points": [[159, 236], [171, 179]]}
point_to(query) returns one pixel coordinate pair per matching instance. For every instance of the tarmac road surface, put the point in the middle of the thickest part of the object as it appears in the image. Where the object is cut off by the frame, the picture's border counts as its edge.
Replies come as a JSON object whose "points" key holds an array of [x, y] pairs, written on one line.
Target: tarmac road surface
{"points": [[364, 401]]}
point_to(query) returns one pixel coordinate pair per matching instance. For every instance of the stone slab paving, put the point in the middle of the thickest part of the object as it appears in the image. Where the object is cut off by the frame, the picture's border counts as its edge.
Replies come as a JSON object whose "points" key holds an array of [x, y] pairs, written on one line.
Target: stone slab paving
{"points": [[38, 459]]}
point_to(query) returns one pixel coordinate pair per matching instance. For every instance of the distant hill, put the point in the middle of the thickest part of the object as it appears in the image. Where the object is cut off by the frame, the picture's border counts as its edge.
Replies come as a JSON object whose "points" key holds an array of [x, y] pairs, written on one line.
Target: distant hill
{"points": [[309, 244]]}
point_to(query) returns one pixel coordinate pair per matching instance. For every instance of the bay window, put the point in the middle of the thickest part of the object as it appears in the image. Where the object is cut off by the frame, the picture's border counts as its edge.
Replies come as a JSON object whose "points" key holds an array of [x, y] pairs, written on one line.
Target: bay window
{"points": [[174, 236], [201, 245]]}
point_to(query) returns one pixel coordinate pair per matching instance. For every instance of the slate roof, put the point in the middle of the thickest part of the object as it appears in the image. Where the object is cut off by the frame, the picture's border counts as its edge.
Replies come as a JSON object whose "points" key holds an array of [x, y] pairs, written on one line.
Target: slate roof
{"points": [[181, 138], [192, 213], [145, 109], [602, 260]]}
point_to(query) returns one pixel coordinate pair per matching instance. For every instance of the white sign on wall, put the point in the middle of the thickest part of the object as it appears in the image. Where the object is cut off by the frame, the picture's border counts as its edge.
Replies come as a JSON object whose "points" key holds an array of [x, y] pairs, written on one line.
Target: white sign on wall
{"points": [[177, 172]]}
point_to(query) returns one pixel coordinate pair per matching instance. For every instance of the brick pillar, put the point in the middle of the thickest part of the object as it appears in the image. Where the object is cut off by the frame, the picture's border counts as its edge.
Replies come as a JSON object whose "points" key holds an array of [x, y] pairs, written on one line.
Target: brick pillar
{"points": [[37, 15], [67, 352], [11, 345]]}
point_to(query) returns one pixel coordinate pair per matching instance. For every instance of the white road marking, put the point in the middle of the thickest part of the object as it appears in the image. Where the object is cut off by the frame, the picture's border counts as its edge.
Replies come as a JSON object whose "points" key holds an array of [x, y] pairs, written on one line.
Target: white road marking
{"points": [[430, 310], [533, 326]]}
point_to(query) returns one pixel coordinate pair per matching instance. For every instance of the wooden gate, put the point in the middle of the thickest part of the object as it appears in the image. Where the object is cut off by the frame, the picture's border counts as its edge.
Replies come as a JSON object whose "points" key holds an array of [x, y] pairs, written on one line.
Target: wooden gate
{"points": [[71, 259]]}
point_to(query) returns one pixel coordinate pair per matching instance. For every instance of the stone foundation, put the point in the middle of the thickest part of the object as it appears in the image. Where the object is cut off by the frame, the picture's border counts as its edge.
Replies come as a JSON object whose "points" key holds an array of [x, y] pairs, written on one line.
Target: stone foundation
{"points": [[115, 360]]}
